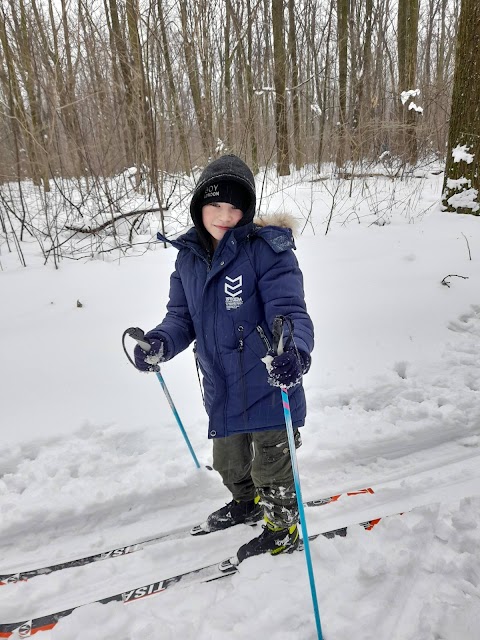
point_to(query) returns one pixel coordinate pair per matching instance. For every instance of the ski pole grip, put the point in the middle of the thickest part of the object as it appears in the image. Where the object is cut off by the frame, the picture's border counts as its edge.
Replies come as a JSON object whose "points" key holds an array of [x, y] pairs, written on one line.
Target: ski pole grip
{"points": [[277, 333], [138, 335]]}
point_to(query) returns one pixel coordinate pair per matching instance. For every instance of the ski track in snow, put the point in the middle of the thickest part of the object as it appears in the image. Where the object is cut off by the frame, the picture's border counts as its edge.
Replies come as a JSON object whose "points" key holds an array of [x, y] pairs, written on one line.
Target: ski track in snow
{"points": [[413, 435], [396, 467]]}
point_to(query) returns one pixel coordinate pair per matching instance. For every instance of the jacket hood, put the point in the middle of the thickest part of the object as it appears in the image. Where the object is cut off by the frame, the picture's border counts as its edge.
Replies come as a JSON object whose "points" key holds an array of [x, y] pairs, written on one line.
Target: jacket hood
{"points": [[228, 167], [282, 220], [275, 230], [278, 229]]}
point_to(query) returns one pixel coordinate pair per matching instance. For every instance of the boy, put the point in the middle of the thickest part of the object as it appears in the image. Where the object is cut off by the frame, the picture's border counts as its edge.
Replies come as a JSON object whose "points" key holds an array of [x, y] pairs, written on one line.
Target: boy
{"points": [[232, 278]]}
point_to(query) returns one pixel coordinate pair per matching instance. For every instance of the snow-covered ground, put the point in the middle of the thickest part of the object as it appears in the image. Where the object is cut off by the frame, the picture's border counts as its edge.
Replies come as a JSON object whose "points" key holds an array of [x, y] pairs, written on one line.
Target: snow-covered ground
{"points": [[92, 458]]}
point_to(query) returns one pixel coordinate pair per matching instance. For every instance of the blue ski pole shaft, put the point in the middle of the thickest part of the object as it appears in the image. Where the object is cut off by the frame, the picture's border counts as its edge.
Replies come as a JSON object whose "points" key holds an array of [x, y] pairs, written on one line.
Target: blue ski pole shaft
{"points": [[177, 418], [138, 335], [278, 347], [301, 510]]}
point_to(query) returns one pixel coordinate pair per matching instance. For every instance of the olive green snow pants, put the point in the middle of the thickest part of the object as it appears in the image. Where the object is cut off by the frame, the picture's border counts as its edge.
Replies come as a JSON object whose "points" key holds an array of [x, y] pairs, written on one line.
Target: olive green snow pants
{"points": [[259, 462]]}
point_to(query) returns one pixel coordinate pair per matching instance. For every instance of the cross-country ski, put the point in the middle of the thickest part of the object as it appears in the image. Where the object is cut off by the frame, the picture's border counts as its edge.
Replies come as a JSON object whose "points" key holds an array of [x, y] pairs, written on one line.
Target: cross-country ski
{"points": [[216, 571], [28, 574]]}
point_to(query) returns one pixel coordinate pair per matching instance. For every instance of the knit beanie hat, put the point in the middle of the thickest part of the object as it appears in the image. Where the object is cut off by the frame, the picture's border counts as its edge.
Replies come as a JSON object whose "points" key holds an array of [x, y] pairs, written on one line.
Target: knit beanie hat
{"points": [[226, 179], [228, 191]]}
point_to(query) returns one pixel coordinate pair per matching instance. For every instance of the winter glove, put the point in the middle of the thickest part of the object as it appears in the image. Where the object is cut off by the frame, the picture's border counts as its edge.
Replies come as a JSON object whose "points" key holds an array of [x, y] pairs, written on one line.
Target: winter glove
{"points": [[148, 361], [286, 370]]}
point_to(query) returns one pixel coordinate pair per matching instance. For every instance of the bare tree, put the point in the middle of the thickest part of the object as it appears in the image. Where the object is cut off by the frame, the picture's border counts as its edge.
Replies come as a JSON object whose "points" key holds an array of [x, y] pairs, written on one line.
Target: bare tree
{"points": [[292, 51], [281, 123], [90, 88], [173, 90], [462, 172], [191, 57], [227, 61], [407, 70], [342, 37]]}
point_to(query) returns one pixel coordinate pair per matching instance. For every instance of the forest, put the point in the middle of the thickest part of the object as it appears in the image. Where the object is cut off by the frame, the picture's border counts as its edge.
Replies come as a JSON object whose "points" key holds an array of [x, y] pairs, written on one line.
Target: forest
{"points": [[151, 90]]}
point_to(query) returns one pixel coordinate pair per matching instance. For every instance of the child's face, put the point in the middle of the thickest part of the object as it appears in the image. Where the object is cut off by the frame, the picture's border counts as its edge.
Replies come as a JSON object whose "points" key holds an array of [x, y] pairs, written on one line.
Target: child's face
{"points": [[218, 218]]}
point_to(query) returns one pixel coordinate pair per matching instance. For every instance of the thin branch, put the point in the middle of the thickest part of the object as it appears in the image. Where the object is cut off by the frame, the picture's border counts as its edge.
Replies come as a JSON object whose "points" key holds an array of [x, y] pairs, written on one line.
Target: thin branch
{"points": [[452, 275], [468, 246], [113, 220]]}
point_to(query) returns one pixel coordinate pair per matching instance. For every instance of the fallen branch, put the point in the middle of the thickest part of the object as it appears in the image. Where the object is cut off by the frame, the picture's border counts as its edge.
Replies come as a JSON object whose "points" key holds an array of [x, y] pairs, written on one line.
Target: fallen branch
{"points": [[452, 275], [106, 224]]}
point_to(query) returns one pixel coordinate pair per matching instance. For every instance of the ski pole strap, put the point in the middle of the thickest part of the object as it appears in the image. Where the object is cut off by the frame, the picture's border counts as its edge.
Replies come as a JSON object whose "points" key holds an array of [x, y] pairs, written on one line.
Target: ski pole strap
{"points": [[139, 336], [279, 344]]}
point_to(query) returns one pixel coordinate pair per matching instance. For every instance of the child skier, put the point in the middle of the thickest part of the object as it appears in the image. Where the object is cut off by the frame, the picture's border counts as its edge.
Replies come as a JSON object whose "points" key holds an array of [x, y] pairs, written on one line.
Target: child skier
{"points": [[233, 276]]}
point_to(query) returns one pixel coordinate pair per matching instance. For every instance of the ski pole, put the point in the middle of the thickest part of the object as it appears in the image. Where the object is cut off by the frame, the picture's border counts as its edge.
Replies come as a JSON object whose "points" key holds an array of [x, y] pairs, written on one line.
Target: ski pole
{"points": [[138, 335], [278, 349]]}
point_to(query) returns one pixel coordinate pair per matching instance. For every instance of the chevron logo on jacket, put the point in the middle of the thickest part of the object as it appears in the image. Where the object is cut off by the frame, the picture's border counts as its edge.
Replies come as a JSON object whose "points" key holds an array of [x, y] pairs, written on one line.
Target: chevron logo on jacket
{"points": [[233, 291]]}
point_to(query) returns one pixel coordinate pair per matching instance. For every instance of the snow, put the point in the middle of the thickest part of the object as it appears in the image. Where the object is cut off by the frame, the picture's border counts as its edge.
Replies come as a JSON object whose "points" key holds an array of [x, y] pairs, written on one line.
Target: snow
{"points": [[458, 184], [467, 199], [406, 95], [92, 458], [414, 106], [460, 153]]}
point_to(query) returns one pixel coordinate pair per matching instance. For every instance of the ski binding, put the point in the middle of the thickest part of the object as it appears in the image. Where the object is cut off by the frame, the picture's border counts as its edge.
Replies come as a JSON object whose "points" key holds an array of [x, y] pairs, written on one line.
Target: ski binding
{"points": [[229, 565]]}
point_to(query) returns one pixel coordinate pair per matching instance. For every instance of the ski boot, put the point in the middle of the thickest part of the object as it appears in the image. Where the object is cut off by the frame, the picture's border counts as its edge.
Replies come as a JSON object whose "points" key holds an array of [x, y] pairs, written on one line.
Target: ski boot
{"points": [[233, 513], [273, 540]]}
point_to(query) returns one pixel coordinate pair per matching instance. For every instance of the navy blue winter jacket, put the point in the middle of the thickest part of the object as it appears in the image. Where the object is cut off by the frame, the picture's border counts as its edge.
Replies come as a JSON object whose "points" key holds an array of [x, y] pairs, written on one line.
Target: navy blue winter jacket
{"points": [[228, 304]]}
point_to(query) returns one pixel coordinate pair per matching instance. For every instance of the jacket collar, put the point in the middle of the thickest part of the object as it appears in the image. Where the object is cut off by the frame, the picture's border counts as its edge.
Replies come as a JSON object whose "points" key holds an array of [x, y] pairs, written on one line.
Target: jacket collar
{"points": [[190, 240], [279, 239]]}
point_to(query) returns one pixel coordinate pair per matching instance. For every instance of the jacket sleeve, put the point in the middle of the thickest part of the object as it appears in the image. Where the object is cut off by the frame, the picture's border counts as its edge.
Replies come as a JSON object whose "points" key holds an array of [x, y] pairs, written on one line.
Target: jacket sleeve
{"points": [[280, 282], [176, 329]]}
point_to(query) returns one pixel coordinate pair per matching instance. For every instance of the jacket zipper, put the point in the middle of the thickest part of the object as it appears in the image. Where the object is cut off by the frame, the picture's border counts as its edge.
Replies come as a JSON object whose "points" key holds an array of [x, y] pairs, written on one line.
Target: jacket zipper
{"points": [[241, 346], [263, 336]]}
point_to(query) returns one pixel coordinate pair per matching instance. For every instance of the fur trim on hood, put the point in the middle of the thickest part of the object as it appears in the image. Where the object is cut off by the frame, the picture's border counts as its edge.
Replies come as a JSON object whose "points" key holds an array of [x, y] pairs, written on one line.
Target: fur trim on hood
{"points": [[283, 220]]}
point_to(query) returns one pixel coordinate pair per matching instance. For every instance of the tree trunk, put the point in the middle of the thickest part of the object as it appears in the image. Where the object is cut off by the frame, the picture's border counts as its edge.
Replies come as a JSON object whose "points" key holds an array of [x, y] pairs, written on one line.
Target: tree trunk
{"points": [[71, 115], [364, 86], [228, 77], [251, 97], [18, 114], [29, 77], [126, 74], [194, 81], [292, 49], [342, 31], [326, 78], [281, 125], [407, 72], [247, 107], [462, 171], [173, 90]]}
